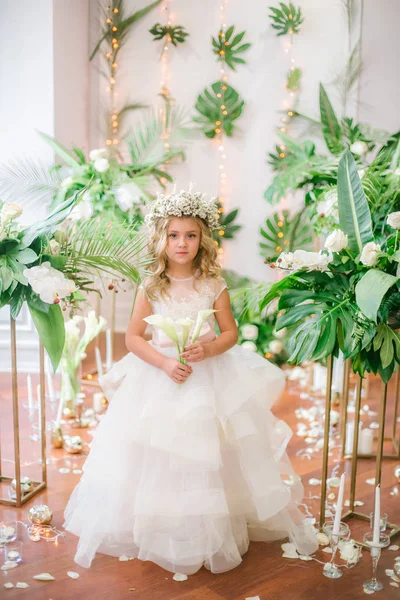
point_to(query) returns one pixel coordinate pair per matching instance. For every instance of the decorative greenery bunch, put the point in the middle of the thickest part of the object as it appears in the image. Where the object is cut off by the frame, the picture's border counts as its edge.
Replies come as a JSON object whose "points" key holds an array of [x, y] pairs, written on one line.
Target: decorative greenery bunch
{"points": [[346, 297]]}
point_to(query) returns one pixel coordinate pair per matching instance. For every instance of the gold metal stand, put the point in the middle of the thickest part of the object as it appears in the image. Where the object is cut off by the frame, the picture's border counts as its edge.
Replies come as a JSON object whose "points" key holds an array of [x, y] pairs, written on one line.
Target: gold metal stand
{"points": [[38, 485], [395, 529]]}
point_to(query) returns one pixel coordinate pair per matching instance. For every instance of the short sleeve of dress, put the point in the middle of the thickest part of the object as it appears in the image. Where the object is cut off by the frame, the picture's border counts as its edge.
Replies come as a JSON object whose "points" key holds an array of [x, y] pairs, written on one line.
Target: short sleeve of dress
{"points": [[221, 285]]}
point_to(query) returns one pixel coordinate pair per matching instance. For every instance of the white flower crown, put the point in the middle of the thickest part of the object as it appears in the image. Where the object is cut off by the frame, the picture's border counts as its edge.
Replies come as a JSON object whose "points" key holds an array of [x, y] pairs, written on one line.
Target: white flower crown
{"points": [[185, 204]]}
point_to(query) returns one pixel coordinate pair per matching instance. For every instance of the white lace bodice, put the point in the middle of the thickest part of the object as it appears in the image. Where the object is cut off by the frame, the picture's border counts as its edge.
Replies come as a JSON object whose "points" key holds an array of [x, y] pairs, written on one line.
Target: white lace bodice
{"points": [[186, 297]]}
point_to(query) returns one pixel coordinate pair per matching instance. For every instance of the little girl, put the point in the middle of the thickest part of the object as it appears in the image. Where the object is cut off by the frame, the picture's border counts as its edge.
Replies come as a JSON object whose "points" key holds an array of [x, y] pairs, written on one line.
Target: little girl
{"points": [[189, 463]]}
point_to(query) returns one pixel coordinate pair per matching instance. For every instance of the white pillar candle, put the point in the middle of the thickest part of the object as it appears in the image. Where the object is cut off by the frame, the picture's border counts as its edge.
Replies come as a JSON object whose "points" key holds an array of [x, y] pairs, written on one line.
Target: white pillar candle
{"points": [[319, 377], [339, 506], [109, 357], [99, 362], [338, 373], [350, 437], [98, 402], [366, 440], [49, 380], [30, 396], [377, 516]]}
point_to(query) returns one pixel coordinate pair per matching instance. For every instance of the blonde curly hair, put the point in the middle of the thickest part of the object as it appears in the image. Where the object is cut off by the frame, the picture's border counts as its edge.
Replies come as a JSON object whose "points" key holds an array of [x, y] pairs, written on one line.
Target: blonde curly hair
{"points": [[156, 285]]}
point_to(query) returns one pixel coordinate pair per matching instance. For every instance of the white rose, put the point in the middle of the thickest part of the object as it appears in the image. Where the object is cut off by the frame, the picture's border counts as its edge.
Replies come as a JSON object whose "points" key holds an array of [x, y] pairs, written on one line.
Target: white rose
{"points": [[394, 220], [81, 211], [281, 333], [101, 165], [127, 194], [285, 260], [49, 283], [251, 346], [54, 247], [98, 153], [369, 255], [349, 551], [10, 211], [250, 332], [336, 241], [275, 347], [359, 148], [314, 261], [67, 182]]}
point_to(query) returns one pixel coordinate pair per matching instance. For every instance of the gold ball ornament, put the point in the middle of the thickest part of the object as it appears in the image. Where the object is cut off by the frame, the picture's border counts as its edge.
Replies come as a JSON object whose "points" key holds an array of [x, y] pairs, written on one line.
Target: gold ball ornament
{"points": [[40, 514]]}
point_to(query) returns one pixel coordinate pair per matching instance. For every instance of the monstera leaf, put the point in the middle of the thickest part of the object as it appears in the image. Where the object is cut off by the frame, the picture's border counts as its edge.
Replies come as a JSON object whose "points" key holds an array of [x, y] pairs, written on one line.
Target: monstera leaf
{"points": [[283, 233], [212, 104]]}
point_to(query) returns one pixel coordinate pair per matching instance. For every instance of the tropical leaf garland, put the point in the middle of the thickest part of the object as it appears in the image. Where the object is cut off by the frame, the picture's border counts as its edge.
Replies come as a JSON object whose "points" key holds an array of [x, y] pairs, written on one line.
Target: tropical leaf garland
{"points": [[287, 19], [285, 233], [228, 226], [293, 79], [228, 48], [215, 117], [176, 34]]}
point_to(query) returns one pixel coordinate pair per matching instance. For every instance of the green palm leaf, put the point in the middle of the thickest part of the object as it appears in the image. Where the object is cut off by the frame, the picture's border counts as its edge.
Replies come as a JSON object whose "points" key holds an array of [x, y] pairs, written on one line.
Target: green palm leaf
{"points": [[287, 19], [99, 247], [228, 49], [354, 213], [330, 125], [28, 182], [212, 116], [60, 150]]}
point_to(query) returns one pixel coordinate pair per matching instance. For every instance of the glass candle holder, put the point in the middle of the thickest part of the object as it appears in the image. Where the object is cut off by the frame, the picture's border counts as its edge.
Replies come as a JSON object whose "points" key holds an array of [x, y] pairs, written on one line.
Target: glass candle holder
{"points": [[330, 569], [383, 521], [8, 532], [13, 552], [373, 585]]}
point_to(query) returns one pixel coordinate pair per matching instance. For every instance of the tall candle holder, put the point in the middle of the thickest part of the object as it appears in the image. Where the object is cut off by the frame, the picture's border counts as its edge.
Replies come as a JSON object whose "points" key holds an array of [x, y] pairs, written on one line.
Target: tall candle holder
{"points": [[373, 585], [330, 569]]}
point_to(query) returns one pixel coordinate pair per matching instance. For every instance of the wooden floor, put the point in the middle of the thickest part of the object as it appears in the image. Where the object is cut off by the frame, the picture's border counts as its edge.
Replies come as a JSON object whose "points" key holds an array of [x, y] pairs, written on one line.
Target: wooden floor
{"points": [[263, 572]]}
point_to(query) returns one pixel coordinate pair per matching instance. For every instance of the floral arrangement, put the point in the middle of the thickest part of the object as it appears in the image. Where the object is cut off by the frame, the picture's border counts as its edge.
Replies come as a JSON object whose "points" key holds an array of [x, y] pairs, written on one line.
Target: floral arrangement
{"points": [[76, 342], [347, 296], [51, 264], [185, 204]]}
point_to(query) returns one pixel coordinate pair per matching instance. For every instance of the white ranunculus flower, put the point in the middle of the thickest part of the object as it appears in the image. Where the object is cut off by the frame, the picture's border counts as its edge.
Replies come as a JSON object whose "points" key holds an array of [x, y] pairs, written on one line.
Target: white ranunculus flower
{"points": [[127, 194], [54, 247], [285, 260], [248, 345], [281, 333], [101, 165], [81, 211], [336, 241], [49, 283], [313, 261], [98, 153], [369, 255], [275, 347], [359, 148], [10, 211], [250, 332], [394, 220]]}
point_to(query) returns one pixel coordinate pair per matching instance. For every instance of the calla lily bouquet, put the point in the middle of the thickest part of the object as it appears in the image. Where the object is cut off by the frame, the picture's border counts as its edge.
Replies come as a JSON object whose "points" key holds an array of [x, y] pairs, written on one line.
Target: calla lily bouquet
{"points": [[346, 297], [181, 330]]}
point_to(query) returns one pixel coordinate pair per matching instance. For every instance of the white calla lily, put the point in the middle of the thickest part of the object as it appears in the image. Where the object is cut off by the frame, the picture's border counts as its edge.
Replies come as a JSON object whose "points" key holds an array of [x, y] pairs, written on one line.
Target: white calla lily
{"points": [[166, 325], [202, 316], [186, 325]]}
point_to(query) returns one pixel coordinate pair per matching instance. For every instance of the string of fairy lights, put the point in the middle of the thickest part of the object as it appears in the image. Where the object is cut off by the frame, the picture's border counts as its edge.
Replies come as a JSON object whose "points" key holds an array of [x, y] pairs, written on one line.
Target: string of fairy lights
{"points": [[289, 102], [112, 22], [165, 91], [222, 176]]}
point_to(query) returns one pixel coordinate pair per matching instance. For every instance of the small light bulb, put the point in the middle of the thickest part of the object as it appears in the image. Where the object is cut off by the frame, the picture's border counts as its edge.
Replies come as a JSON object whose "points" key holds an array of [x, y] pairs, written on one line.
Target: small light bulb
{"points": [[225, 112], [108, 142], [108, 21], [221, 148], [115, 28], [223, 106]]}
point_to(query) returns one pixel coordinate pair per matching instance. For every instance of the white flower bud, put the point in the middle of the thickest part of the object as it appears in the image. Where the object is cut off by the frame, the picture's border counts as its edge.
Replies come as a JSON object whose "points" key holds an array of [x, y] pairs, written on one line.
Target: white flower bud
{"points": [[10, 211], [250, 332], [275, 347], [336, 241], [359, 148], [369, 255], [393, 220], [98, 153], [101, 165], [251, 346]]}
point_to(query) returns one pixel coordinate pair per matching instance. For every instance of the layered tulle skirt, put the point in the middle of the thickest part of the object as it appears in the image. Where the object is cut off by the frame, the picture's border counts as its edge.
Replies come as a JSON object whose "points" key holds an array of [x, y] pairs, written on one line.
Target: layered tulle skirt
{"points": [[186, 476]]}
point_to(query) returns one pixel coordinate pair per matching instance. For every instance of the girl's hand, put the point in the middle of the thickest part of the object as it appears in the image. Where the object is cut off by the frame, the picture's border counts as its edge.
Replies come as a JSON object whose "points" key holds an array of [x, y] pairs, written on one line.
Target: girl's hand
{"points": [[194, 352], [176, 370]]}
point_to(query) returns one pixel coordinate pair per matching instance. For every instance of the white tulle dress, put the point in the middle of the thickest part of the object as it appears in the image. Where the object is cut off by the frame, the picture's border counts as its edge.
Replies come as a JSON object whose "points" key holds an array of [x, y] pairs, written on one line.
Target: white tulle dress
{"points": [[185, 477]]}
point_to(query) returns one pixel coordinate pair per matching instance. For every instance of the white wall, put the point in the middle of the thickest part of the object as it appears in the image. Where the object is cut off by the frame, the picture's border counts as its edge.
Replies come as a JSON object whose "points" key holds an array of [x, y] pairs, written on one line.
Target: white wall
{"points": [[320, 51]]}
